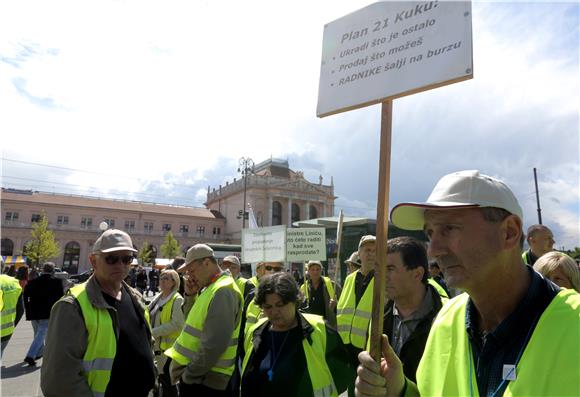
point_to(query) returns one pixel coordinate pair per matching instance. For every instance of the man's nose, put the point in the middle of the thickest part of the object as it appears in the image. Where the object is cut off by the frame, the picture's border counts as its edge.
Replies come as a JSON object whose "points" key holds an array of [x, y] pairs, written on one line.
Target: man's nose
{"points": [[436, 247]]}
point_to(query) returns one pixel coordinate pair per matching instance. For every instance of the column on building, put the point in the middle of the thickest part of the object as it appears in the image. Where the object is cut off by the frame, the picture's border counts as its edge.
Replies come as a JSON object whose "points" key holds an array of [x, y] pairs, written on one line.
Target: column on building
{"points": [[307, 210], [289, 212], [323, 209], [269, 221]]}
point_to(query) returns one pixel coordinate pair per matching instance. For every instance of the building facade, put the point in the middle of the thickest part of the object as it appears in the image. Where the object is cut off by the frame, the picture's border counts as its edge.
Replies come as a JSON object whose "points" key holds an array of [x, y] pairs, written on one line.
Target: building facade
{"points": [[75, 221], [276, 194]]}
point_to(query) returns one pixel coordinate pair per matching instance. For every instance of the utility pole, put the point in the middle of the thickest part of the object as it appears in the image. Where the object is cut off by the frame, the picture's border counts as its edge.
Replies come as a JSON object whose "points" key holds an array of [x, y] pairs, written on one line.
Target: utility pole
{"points": [[246, 165], [537, 197]]}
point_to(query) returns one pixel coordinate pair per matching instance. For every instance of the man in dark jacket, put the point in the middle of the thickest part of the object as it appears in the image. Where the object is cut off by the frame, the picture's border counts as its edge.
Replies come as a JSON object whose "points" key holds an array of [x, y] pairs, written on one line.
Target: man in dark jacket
{"points": [[39, 296], [413, 303]]}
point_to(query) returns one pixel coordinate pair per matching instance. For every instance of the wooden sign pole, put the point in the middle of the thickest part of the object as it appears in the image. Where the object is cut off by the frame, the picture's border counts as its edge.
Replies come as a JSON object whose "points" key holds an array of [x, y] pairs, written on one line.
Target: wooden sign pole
{"points": [[382, 230], [338, 241]]}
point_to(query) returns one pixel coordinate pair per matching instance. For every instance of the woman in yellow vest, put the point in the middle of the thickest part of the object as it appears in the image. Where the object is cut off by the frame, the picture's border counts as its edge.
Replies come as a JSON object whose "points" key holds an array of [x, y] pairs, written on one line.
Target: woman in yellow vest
{"points": [[288, 353], [167, 320]]}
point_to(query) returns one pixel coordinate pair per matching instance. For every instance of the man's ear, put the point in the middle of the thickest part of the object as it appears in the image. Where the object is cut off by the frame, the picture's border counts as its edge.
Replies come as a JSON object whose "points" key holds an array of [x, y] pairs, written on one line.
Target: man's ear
{"points": [[92, 259], [419, 272], [512, 227]]}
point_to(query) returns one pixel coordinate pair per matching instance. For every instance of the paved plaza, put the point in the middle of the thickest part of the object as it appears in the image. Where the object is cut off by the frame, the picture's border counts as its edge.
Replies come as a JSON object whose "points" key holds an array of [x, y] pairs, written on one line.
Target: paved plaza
{"points": [[18, 379]]}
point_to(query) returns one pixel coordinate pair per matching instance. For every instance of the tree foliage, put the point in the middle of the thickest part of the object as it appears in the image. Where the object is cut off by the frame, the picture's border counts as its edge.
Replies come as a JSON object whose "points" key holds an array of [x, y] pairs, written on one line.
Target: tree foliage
{"points": [[43, 246], [170, 247], [145, 254]]}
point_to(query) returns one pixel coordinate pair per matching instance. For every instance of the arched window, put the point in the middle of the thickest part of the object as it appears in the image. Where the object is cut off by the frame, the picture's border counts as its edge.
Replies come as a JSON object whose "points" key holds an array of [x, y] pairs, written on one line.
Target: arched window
{"points": [[7, 247], [72, 253], [295, 213], [313, 213], [276, 213]]}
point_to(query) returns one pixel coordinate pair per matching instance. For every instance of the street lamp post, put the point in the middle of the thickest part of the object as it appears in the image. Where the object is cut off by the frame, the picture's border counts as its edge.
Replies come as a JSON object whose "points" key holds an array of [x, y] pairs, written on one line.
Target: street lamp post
{"points": [[246, 165]]}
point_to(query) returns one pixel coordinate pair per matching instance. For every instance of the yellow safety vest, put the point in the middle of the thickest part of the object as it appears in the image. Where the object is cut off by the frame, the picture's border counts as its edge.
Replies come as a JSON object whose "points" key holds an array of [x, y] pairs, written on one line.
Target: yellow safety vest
{"points": [[526, 258], [188, 342], [549, 365], [253, 314], [254, 280], [241, 283], [353, 322], [315, 353], [440, 290], [10, 290], [306, 291], [166, 341], [101, 341]]}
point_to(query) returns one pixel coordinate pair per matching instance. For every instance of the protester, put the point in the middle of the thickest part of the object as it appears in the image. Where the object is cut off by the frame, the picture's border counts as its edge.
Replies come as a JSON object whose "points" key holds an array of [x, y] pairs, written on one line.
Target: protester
{"points": [[560, 269], [513, 332], [176, 264], [39, 296], [353, 262], [99, 337], [288, 353], [412, 303], [133, 276], [252, 312], [10, 305], [541, 241], [437, 276], [355, 303], [320, 293], [153, 281], [232, 263], [204, 354], [141, 280], [167, 321], [22, 276]]}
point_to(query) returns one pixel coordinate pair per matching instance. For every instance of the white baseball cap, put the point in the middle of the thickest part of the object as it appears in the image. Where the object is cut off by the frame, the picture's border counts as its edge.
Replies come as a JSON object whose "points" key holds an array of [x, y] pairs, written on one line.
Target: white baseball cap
{"points": [[463, 189]]}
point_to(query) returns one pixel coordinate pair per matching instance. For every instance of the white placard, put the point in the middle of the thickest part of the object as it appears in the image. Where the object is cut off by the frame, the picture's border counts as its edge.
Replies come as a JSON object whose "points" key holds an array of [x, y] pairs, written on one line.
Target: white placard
{"points": [[306, 244], [392, 49], [265, 244]]}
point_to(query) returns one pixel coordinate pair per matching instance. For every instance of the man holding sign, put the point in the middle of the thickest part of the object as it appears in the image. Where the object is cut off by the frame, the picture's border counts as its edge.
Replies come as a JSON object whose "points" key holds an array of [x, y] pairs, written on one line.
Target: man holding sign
{"points": [[513, 332]]}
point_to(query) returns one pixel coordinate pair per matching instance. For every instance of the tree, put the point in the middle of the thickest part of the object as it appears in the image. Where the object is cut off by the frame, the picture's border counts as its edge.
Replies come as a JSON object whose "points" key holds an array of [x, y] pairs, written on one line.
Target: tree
{"points": [[145, 253], [170, 247], [43, 245]]}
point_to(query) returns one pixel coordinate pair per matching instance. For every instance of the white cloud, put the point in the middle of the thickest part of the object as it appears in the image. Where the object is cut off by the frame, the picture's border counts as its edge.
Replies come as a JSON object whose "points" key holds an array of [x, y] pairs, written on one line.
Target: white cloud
{"points": [[169, 96]]}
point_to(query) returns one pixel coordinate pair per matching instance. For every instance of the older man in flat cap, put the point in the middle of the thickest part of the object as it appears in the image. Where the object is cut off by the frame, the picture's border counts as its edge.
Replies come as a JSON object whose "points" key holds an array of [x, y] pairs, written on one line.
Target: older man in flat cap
{"points": [[204, 354], [512, 333], [99, 337]]}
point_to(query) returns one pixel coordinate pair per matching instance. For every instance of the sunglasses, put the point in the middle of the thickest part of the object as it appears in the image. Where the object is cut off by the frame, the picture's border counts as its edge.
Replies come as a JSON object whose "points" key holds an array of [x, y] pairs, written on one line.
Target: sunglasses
{"points": [[125, 259], [273, 268]]}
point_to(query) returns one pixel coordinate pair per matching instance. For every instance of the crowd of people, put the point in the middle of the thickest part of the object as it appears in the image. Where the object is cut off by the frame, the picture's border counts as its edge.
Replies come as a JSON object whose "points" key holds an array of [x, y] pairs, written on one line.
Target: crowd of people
{"points": [[468, 313]]}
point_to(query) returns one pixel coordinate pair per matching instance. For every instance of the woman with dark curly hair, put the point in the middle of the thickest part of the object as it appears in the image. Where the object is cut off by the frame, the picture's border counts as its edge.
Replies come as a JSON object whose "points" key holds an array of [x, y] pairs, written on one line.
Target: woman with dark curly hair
{"points": [[289, 353]]}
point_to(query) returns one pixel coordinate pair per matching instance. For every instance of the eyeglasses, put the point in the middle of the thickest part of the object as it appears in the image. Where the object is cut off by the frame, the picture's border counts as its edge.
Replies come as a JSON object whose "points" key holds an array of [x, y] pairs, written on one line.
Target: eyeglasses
{"points": [[165, 278], [273, 268], [125, 259]]}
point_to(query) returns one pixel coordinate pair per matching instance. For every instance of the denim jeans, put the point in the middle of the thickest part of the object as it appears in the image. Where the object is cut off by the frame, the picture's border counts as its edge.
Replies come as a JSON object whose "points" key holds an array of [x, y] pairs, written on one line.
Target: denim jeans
{"points": [[40, 327]]}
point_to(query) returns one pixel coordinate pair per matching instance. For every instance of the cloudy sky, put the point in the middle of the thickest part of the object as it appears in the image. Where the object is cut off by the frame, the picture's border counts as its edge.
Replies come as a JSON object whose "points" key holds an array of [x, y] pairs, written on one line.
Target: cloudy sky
{"points": [[154, 101]]}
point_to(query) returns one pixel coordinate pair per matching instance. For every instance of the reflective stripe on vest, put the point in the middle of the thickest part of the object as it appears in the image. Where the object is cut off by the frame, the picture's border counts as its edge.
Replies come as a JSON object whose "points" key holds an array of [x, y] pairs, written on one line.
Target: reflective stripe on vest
{"points": [[166, 341], [253, 314], [353, 322], [189, 340], [315, 354], [327, 283], [101, 342], [548, 367], [10, 290]]}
